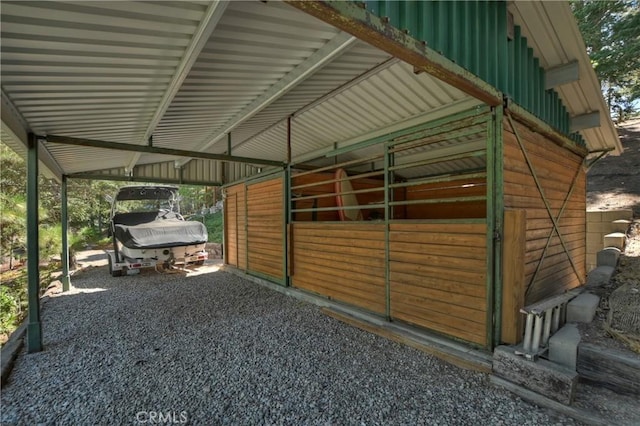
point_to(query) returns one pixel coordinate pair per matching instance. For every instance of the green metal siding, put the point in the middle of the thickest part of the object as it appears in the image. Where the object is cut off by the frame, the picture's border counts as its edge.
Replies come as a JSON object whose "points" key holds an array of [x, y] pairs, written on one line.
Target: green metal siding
{"points": [[474, 35]]}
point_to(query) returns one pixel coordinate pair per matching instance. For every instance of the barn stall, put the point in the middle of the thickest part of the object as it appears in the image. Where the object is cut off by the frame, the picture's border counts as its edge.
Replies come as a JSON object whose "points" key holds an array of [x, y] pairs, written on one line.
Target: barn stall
{"points": [[420, 161]]}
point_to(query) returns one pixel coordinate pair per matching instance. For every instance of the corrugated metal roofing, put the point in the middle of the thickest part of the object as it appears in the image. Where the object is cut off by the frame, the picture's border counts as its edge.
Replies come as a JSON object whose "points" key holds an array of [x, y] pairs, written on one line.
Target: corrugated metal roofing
{"points": [[555, 39], [106, 70], [391, 95], [95, 70]]}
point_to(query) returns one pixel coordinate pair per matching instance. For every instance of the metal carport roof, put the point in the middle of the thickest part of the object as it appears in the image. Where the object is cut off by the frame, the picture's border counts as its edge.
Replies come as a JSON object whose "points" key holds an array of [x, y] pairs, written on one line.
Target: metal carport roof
{"points": [[188, 73]]}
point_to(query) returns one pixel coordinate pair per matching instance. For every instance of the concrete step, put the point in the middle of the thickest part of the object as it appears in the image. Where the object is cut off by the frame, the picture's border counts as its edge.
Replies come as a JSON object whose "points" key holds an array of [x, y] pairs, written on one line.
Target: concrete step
{"points": [[563, 346], [582, 308], [608, 227], [609, 216], [599, 276], [608, 257], [615, 239]]}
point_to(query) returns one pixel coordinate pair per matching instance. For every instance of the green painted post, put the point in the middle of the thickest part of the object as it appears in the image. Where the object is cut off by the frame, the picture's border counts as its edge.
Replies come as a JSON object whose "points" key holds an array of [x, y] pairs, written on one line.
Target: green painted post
{"points": [[388, 161], [490, 221], [34, 327], [498, 227], [287, 221], [66, 278]]}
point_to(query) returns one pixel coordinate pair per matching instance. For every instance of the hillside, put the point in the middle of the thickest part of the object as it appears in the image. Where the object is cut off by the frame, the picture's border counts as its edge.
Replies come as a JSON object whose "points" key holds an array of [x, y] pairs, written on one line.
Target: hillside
{"points": [[614, 182]]}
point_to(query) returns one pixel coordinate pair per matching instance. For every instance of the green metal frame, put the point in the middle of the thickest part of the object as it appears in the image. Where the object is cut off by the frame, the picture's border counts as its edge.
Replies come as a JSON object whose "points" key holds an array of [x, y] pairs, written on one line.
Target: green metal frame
{"points": [[157, 150], [456, 121], [34, 326], [389, 159], [495, 219], [64, 219], [120, 178], [287, 223], [491, 121]]}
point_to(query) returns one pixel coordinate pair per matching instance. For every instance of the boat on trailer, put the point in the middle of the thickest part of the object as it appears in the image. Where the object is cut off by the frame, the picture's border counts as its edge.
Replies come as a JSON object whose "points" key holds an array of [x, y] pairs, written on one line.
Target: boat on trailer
{"points": [[148, 231]]}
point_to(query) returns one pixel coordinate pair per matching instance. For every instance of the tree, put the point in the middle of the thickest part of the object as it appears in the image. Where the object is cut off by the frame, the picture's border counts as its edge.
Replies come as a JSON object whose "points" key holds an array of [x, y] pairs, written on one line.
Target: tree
{"points": [[611, 31]]}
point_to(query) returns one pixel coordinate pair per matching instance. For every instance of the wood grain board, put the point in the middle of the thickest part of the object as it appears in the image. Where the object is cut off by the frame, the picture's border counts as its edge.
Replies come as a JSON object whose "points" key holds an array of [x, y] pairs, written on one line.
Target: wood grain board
{"points": [[438, 291], [265, 227], [555, 168], [343, 261]]}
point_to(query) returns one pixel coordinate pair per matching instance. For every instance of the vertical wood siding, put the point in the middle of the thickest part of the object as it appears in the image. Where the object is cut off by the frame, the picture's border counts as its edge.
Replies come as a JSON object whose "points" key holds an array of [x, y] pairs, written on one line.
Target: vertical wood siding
{"points": [[265, 227], [343, 261], [438, 277], [235, 227], [555, 168]]}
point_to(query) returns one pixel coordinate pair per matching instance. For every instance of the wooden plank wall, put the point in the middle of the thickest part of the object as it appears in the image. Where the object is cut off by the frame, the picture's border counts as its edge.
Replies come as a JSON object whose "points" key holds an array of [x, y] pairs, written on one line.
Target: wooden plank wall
{"points": [[555, 168], [265, 227], [235, 227], [513, 284], [445, 210], [342, 260], [438, 277]]}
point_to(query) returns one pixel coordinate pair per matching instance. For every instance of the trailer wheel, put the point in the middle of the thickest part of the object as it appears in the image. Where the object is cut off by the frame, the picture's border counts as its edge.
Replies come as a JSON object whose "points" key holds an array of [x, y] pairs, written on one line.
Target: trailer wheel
{"points": [[117, 272]]}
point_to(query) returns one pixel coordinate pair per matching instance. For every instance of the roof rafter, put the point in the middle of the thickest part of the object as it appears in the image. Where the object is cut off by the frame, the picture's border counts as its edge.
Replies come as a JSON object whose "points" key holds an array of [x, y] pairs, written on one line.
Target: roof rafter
{"points": [[333, 48], [198, 41], [95, 143], [15, 124]]}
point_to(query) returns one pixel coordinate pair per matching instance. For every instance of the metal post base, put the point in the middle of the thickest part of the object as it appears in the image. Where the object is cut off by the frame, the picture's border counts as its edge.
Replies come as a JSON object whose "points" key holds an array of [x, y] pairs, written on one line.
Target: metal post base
{"points": [[34, 337], [66, 282]]}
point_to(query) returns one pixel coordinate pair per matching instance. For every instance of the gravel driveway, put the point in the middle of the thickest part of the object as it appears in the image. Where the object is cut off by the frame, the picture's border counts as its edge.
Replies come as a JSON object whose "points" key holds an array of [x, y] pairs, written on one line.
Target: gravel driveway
{"points": [[217, 349]]}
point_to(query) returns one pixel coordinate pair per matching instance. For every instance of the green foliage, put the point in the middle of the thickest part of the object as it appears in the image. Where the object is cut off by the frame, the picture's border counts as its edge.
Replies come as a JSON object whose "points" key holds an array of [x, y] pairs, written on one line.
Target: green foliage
{"points": [[50, 241], [9, 310], [13, 210], [213, 222], [195, 198], [611, 31], [13, 302]]}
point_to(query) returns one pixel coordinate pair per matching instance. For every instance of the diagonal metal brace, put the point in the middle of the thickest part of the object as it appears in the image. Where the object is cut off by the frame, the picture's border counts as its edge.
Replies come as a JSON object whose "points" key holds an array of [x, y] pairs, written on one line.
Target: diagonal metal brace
{"points": [[564, 204], [544, 198]]}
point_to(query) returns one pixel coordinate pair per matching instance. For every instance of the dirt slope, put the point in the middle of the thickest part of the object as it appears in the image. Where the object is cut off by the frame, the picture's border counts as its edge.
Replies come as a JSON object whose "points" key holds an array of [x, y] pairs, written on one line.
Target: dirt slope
{"points": [[614, 182]]}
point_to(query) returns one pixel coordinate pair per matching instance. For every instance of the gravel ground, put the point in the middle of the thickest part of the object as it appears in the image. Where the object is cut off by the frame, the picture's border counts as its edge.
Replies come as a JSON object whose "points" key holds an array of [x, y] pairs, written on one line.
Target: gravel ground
{"points": [[217, 349]]}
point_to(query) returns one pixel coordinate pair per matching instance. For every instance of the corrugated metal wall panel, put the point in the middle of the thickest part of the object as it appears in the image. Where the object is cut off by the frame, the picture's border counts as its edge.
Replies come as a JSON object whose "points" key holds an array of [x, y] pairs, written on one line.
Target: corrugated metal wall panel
{"points": [[474, 35]]}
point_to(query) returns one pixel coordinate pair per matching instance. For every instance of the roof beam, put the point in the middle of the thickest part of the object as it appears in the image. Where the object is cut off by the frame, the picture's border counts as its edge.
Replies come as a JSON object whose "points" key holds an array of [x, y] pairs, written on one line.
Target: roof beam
{"points": [[123, 178], [156, 150], [562, 74], [585, 121], [336, 46], [14, 124], [198, 41], [352, 18]]}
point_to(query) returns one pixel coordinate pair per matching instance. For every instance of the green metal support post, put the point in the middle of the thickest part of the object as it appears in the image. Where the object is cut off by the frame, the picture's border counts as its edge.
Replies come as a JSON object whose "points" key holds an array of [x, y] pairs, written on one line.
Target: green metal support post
{"points": [[66, 278], [498, 220], [34, 327]]}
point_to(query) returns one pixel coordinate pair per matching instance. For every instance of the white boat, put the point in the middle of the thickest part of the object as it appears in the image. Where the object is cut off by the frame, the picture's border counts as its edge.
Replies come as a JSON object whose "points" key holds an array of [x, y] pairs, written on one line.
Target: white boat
{"points": [[148, 230]]}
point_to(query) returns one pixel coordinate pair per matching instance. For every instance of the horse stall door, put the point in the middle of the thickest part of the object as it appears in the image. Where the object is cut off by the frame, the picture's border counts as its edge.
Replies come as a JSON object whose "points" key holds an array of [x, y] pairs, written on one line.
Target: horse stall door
{"points": [[265, 229]]}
